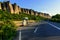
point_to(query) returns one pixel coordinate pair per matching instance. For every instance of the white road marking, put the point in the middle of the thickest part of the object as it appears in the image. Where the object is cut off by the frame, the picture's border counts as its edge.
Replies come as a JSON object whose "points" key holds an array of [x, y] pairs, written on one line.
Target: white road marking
{"points": [[49, 24], [35, 30], [20, 35], [54, 26]]}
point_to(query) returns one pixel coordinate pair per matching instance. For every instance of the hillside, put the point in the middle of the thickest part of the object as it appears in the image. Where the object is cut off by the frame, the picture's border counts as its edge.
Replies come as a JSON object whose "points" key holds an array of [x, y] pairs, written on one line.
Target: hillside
{"points": [[15, 9], [4, 15]]}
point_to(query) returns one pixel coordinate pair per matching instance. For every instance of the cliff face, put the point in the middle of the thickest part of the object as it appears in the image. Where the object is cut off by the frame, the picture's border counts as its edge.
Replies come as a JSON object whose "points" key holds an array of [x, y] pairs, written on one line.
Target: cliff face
{"points": [[10, 8], [0, 6], [15, 9]]}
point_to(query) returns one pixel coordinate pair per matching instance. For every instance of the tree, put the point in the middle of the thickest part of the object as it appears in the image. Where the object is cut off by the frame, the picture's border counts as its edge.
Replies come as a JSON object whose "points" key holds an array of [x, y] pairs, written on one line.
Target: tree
{"points": [[55, 18]]}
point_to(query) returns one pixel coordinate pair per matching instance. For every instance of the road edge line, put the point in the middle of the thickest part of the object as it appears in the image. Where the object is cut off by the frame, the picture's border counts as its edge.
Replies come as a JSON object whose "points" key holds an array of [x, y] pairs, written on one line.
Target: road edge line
{"points": [[54, 26]]}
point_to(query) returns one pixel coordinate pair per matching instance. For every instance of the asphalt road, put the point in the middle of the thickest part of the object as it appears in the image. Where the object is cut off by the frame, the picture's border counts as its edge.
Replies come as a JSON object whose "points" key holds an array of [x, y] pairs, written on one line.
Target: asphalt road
{"points": [[42, 31]]}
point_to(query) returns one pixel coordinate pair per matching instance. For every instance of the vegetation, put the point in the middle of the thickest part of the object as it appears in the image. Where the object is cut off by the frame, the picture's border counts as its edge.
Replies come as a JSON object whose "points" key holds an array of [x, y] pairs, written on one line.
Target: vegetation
{"points": [[55, 18], [7, 30], [4, 15]]}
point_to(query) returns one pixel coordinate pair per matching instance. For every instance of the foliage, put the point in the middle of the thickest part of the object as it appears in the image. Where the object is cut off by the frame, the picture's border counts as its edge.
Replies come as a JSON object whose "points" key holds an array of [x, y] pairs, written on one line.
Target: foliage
{"points": [[4, 15], [55, 18], [7, 28], [7, 31]]}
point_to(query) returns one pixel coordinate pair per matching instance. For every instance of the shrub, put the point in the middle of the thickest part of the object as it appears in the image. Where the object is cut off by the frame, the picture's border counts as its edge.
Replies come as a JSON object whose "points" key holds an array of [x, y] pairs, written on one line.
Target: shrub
{"points": [[7, 31]]}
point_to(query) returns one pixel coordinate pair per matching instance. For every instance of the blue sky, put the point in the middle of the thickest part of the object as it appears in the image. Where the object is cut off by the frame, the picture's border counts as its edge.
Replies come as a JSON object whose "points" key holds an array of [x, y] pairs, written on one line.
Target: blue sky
{"points": [[51, 7]]}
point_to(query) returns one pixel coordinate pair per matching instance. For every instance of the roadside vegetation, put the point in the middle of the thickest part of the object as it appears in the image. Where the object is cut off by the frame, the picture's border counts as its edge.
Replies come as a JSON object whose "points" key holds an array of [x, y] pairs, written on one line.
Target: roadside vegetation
{"points": [[7, 30], [55, 18]]}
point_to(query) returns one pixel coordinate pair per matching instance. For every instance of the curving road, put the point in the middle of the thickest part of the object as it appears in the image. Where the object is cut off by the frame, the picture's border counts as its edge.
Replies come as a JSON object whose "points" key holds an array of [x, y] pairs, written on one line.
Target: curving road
{"points": [[45, 30]]}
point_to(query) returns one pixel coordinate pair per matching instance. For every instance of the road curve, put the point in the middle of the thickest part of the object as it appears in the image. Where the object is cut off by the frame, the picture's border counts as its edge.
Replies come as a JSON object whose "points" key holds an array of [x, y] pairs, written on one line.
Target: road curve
{"points": [[42, 31]]}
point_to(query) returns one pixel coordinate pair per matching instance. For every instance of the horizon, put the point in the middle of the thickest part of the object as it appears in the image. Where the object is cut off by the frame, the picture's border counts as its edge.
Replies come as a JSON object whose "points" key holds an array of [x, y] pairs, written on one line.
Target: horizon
{"points": [[46, 6]]}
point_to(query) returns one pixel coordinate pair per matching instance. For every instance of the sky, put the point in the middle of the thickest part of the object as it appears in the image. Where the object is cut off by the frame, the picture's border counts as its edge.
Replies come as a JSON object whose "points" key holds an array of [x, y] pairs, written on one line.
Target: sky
{"points": [[51, 7]]}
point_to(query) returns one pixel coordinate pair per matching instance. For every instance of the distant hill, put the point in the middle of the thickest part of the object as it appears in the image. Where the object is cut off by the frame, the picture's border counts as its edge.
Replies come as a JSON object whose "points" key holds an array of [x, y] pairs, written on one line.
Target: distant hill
{"points": [[15, 9]]}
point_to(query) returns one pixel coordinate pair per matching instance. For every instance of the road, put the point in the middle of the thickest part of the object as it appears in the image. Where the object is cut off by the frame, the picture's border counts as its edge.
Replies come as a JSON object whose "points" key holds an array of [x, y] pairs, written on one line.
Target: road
{"points": [[43, 31]]}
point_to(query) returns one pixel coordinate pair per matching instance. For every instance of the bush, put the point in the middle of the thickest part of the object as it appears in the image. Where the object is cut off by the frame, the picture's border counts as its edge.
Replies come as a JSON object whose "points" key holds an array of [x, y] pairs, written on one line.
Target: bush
{"points": [[7, 31]]}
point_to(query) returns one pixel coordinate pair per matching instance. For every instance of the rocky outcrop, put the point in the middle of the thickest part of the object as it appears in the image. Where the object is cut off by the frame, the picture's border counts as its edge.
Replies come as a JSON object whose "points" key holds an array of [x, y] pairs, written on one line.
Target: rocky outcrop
{"points": [[36, 13], [0, 5], [10, 7], [22, 10], [15, 9], [19, 9], [31, 12], [3, 6]]}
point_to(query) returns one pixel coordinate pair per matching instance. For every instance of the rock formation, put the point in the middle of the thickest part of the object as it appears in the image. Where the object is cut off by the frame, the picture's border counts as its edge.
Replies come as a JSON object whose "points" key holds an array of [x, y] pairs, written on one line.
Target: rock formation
{"points": [[10, 7], [19, 9], [36, 13], [0, 5], [31, 12], [3, 6], [15, 9]]}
